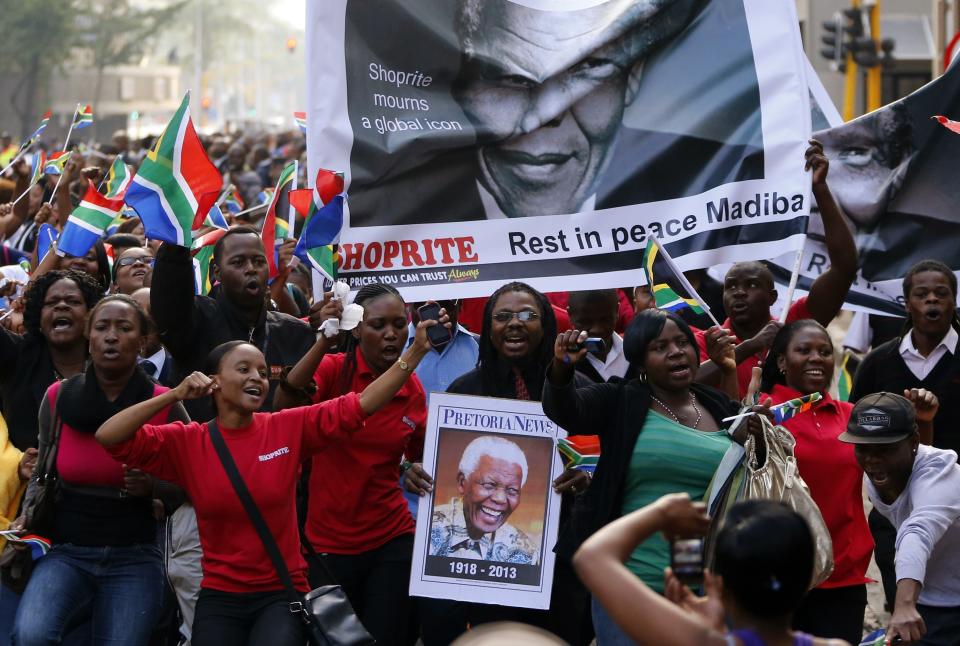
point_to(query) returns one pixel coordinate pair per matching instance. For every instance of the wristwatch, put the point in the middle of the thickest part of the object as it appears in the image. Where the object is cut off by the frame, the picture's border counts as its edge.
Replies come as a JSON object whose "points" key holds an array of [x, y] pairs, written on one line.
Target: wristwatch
{"points": [[404, 365]]}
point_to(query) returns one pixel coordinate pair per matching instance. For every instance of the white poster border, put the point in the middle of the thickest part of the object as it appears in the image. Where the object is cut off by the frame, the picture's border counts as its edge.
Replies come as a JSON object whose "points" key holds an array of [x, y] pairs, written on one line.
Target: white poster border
{"points": [[492, 591], [785, 120]]}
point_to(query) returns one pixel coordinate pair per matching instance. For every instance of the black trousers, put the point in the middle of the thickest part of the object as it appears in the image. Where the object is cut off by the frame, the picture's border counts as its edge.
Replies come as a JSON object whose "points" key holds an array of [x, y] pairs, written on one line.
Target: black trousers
{"points": [[442, 621], [377, 584], [884, 551], [246, 619], [943, 625], [835, 613]]}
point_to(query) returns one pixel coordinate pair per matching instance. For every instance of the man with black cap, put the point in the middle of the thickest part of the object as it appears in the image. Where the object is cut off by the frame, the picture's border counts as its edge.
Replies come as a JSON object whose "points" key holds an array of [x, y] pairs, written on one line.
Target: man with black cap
{"points": [[917, 488]]}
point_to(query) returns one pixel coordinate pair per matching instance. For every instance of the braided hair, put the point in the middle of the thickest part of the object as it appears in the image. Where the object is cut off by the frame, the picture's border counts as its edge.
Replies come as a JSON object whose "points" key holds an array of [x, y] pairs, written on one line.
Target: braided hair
{"points": [[488, 360], [364, 295]]}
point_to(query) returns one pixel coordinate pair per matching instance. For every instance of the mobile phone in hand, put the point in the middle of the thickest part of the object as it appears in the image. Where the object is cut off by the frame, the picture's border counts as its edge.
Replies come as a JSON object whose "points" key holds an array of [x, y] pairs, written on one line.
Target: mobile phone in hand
{"points": [[594, 345], [686, 560], [438, 335]]}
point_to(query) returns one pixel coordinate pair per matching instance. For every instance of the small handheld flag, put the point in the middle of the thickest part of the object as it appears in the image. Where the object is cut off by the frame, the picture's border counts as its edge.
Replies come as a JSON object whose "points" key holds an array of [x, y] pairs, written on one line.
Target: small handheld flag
{"points": [[202, 252], [792, 408], [29, 141], [36, 171], [670, 288], [234, 202], [118, 178], [36, 167], [275, 228], [55, 163], [46, 236], [176, 184], [580, 452], [264, 196], [87, 223], [83, 116], [301, 119], [949, 124], [848, 367], [876, 638], [216, 219], [39, 546], [322, 227]]}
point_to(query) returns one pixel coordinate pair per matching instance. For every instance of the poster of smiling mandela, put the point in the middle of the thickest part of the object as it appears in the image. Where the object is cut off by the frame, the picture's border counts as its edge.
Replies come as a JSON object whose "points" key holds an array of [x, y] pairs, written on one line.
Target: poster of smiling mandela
{"points": [[547, 140], [487, 531]]}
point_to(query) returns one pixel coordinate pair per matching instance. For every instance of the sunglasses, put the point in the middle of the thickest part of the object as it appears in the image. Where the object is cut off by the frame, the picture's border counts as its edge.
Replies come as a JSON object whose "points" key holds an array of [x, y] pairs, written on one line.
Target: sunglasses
{"points": [[128, 262], [505, 316]]}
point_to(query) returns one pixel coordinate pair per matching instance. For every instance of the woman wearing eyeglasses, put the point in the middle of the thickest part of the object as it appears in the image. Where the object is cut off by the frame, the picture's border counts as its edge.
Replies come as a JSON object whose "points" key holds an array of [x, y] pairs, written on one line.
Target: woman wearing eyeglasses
{"points": [[132, 270], [516, 347]]}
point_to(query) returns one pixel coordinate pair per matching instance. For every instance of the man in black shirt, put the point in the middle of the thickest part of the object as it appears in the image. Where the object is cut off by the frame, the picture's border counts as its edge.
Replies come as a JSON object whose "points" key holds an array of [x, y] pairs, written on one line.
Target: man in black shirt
{"points": [[191, 326]]}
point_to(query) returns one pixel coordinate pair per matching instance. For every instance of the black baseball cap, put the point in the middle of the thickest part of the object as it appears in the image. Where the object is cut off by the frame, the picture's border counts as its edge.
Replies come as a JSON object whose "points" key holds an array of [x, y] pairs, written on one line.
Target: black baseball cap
{"points": [[880, 418]]}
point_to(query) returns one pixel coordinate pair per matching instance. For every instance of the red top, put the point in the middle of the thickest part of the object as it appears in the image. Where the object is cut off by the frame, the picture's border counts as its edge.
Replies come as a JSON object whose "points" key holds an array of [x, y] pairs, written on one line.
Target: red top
{"points": [[81, 460], [355, 501], [797, 312], [625, 312], [267, 453], [835, 479]]}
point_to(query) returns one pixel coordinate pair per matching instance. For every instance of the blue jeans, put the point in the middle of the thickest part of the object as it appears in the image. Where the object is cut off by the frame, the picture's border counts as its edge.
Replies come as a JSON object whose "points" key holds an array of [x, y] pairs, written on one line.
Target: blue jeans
{"points": [[608, 633], [120, 589]]}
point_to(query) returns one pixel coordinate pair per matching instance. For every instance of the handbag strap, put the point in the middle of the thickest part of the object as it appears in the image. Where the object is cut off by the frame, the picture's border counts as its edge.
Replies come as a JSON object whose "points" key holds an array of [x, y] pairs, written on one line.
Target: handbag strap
{"points": [[269, 543], [50, 461]]}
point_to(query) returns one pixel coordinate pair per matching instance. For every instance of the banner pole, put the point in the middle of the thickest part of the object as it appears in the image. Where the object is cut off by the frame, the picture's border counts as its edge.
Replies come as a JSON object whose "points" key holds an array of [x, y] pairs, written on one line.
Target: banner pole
{"points": [[793, 281]]}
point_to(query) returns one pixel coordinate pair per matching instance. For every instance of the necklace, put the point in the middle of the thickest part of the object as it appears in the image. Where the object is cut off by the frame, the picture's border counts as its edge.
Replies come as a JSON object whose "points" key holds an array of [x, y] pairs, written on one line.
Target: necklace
{"points": [[677, 418]]}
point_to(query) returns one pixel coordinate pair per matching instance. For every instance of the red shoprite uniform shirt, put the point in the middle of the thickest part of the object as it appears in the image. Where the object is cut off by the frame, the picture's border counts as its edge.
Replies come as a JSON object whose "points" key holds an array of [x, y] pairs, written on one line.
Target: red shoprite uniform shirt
{"points": [[797, 312], [355, 504], [830, 469], [268, 453]]}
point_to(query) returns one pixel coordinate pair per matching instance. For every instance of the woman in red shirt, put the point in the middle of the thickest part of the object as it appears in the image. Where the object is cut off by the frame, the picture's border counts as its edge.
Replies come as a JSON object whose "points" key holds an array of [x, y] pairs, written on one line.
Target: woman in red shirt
{"points": [[801, 362], [242, 600], [357, 518]]}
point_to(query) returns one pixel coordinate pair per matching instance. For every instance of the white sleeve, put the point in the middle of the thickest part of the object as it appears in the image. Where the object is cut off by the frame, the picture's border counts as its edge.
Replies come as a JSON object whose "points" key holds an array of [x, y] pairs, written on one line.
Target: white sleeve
{"points": [[859, 335], [935, 500]]}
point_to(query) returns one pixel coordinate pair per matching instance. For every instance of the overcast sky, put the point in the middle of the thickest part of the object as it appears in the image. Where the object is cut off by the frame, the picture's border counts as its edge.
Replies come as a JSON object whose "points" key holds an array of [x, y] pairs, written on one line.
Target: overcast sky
{"points": [[293, 11]]}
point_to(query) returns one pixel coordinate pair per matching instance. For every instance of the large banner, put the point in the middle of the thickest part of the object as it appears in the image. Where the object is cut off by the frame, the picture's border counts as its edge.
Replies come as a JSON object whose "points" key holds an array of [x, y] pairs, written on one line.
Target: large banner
{"points": [[487, 531], [545, 140], [893, 173]]}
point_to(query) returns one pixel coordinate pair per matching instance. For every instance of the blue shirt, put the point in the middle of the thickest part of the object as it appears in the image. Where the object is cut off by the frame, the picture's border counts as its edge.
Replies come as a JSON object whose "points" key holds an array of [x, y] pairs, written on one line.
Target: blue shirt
{"points": [[438, 370]]}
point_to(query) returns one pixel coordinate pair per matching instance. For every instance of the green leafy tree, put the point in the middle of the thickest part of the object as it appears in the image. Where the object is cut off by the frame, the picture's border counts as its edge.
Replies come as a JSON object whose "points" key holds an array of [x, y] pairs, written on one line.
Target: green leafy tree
{"points": [[37, 35]]}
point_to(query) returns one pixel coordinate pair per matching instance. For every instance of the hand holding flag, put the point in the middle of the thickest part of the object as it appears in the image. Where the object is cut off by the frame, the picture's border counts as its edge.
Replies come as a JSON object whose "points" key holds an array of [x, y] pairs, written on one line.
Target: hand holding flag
{"points": [[88, 222], [670, 288]]}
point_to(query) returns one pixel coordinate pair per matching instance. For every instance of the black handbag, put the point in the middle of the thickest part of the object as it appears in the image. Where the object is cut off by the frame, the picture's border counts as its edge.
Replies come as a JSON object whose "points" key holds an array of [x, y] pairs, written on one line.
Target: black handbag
{"points": [[16, 564], [326, 611]]}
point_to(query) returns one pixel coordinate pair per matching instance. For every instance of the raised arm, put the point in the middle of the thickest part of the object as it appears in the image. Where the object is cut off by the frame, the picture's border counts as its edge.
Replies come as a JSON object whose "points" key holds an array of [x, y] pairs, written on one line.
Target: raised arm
{"points": [[387, 384], [172, 299], [830, 288], [639, 611], [124, 425], [580, 411]]}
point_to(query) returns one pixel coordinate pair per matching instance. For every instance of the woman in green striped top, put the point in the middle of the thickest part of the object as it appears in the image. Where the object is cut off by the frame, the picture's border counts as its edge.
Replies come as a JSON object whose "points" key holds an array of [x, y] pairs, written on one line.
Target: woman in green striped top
{"points": [[681, 443]]}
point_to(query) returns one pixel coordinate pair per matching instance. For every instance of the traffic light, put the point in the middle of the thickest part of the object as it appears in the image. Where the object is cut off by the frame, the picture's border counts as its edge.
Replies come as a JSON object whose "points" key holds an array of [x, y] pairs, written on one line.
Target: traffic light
{"points": [[887, 45], [836, 49]]}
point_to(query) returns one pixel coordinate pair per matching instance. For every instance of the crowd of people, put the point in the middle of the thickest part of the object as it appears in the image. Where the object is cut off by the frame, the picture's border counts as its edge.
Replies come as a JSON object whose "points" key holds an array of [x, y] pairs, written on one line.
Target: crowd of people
{"points": [[121, 383]]}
